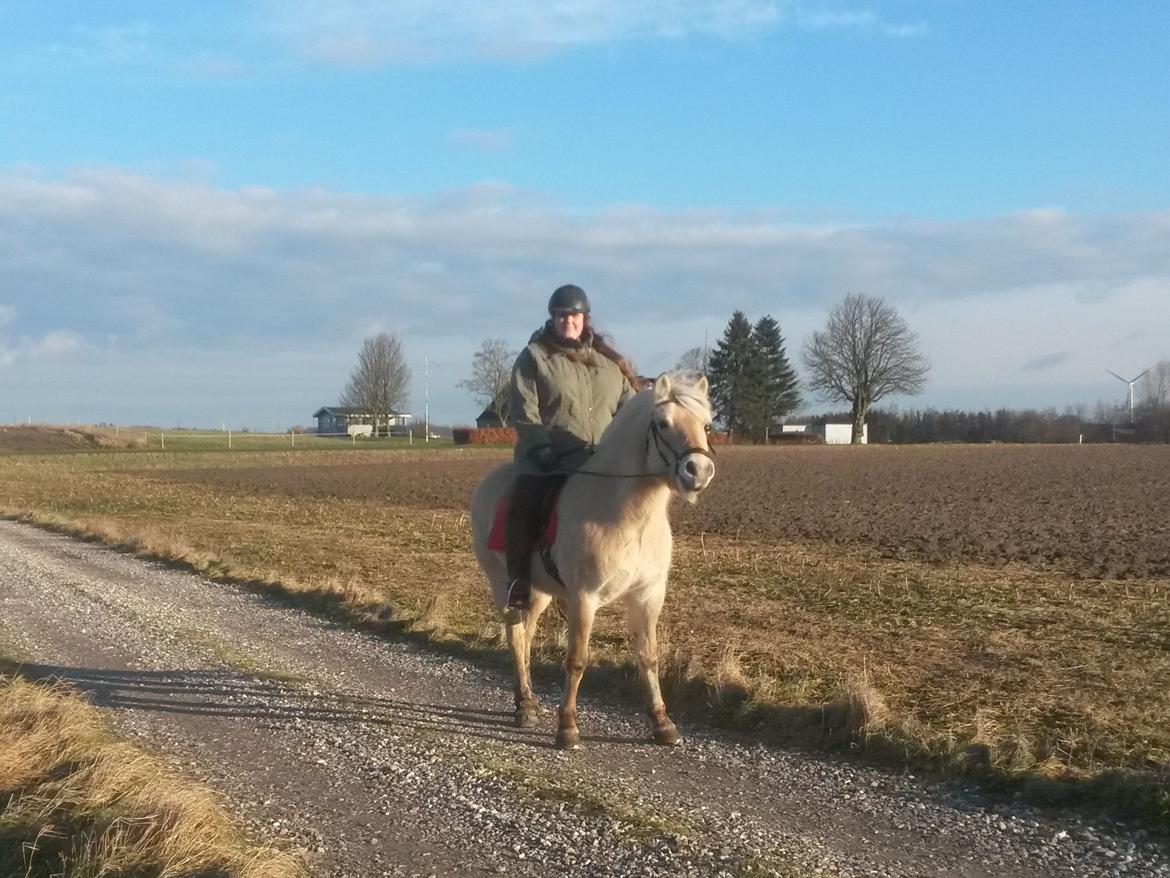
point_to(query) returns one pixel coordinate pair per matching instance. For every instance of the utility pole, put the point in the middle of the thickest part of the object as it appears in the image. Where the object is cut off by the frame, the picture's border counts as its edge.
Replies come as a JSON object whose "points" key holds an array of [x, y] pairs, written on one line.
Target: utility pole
{"points": [[426, 398]]}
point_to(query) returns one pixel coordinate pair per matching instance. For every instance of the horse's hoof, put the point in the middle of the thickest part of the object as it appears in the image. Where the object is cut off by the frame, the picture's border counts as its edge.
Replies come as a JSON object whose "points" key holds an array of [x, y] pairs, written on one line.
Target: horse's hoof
{"points": [[568, 739], [667, 736], [527, 717]]}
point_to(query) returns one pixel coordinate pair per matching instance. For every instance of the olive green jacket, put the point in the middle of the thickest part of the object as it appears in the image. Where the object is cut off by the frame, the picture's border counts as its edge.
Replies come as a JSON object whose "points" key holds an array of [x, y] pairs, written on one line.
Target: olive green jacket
{"points": [[563, 397]]}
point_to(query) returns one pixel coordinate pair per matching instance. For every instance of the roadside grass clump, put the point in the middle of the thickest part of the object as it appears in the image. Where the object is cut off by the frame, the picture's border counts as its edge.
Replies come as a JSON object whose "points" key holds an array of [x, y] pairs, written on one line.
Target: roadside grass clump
{"points": [[1020, 676], [75, 802]]}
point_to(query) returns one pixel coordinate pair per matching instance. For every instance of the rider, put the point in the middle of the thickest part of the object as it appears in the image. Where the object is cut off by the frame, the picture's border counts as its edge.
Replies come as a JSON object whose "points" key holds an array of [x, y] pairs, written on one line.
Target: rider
{"points": [[566, 386]]}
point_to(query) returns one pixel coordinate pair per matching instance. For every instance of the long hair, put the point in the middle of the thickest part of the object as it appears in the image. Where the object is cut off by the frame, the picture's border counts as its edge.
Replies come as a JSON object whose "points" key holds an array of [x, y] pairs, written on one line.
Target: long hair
{"points": [[590, 339]]}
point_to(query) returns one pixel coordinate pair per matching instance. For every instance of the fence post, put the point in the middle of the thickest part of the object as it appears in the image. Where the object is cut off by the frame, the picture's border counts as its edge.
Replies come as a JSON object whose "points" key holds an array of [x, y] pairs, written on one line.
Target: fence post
{"points": [[229, 440], [292, 438], [162, 439]]}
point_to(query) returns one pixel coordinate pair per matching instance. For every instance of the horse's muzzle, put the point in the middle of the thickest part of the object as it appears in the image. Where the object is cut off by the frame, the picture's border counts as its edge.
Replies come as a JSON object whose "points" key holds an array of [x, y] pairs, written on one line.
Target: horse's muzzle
{"points": [[695, 471]]}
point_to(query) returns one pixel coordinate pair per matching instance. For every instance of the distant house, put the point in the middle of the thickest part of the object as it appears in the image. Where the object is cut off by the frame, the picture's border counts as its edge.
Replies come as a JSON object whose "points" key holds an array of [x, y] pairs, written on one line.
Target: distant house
{"points": [[488, 418], [336, 420]]}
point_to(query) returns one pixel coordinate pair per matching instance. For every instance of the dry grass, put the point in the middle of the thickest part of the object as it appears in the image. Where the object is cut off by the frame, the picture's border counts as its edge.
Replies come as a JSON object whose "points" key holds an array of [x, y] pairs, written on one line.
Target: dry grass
{"points": [[76, 802], [1006, 671]]}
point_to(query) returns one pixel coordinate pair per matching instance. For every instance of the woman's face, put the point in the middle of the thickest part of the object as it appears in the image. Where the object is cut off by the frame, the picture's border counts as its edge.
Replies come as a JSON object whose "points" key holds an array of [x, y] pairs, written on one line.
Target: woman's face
{"points": [[569, 324]]}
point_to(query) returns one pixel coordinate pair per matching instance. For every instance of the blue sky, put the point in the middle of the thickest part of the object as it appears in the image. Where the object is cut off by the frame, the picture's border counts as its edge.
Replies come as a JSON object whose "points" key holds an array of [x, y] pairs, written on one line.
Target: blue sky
{"points": [[205, 207]]}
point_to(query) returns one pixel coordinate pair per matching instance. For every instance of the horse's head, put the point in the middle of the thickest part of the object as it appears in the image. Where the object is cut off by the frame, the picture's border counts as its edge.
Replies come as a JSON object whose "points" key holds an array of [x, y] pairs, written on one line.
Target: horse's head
{"points": [[678, 437]]}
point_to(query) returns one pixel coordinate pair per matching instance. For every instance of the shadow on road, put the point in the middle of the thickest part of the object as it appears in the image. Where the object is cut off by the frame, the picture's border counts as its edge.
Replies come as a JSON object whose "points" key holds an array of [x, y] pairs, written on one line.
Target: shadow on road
{"points": [[238, 695]]}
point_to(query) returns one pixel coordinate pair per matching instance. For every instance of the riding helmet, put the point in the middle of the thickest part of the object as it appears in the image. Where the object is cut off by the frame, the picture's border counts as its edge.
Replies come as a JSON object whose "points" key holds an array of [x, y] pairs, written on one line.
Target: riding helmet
{"points": [[569, 297]]}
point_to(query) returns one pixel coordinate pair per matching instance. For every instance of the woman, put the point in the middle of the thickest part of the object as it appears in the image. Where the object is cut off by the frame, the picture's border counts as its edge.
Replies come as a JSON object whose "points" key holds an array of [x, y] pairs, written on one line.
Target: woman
{"points": [[566, 386]]}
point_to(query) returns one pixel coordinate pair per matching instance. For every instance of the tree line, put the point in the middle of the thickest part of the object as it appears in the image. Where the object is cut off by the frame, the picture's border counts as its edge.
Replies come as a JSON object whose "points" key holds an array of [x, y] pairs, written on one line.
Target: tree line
{"points": [[865, 353]]}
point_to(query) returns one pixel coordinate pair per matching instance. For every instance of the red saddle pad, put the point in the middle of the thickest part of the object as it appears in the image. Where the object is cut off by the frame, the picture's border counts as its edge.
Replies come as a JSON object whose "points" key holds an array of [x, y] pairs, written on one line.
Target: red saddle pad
{"points": [[496, 536]]}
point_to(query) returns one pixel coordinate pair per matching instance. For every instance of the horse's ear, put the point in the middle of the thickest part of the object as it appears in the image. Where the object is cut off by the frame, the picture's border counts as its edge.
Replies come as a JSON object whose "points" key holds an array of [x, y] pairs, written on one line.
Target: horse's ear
{"points": [[662, 388], [701, 385]]}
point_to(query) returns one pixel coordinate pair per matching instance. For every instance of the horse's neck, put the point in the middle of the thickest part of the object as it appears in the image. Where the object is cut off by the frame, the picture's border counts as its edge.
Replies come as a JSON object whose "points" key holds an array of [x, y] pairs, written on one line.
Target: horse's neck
{"points": [[638, 498]]}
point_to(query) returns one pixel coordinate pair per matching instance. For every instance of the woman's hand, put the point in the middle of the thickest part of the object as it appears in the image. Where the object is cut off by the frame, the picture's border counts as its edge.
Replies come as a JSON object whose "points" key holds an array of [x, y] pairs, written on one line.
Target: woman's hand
{"points": [[544, 457]]}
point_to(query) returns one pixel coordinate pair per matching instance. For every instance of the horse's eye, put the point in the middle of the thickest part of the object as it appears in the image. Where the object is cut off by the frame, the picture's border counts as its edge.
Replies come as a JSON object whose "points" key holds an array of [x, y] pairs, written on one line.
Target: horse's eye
{"points": [[663, 423]]}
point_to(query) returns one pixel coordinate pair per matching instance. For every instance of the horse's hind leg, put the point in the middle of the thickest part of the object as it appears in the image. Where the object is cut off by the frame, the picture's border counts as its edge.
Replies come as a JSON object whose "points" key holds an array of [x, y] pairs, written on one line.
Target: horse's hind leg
{"points": [[521, 629], [580, 612], [643, 621]]}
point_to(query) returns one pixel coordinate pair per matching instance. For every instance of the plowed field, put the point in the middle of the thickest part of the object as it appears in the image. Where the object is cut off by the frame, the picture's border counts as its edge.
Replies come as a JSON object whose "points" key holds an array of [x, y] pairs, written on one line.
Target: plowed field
{"points": [[1089, 511]]}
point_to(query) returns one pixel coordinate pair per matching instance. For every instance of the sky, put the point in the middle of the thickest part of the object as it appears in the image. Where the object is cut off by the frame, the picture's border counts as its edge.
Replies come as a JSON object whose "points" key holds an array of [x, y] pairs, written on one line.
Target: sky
{"points": [[204, 208]]}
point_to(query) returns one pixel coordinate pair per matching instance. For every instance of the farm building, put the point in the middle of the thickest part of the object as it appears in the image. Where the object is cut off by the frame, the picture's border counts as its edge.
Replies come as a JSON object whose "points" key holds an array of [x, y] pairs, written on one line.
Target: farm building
{"points": [[488, 418], [833, 434], [336, 420]]}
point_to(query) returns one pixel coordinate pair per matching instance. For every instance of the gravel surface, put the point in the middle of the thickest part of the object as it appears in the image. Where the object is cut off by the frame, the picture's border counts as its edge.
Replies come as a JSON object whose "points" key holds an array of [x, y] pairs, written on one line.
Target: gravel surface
{"points": [[375, 757]]}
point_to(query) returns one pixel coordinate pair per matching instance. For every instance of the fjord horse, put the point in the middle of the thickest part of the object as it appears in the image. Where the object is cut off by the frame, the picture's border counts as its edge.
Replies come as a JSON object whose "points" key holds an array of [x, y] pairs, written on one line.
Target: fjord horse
{"points": [[613, 541]]}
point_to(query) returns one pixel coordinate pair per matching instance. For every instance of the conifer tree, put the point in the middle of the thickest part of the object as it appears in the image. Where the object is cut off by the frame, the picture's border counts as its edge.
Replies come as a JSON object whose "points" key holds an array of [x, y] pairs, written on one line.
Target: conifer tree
{"points": [[734, 376], [779, 388]]}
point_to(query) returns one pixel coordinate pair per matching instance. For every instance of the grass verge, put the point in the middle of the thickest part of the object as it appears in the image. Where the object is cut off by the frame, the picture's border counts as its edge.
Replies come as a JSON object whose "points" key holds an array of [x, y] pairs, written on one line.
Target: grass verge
{"points": [[74, 801]]}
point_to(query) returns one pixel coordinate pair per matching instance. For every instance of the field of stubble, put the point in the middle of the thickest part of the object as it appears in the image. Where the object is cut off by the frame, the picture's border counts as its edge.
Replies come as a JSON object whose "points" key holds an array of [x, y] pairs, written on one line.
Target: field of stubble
{"points": [[1086, 511], [997, 607]]}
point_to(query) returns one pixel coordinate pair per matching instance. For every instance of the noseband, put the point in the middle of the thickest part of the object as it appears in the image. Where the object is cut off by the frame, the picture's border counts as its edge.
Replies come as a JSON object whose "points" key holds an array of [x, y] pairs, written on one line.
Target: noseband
{"points": [[662, 447]]}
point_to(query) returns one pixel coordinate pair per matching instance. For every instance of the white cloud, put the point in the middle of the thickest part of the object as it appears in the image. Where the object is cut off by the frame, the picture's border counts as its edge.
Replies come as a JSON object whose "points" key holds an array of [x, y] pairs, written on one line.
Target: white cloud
{"points": [[55, 344], [365, 33], [153, 268], [483, 139], [119, 44]]}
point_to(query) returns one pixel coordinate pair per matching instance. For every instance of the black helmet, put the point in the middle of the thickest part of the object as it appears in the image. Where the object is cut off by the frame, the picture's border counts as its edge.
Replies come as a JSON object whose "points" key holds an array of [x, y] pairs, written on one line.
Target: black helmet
{"points": [[570, 297]]}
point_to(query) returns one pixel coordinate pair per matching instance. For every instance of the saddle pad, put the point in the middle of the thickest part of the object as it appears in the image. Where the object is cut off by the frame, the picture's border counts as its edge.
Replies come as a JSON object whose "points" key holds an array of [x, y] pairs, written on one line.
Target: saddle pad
{"points": [[496, 536]]}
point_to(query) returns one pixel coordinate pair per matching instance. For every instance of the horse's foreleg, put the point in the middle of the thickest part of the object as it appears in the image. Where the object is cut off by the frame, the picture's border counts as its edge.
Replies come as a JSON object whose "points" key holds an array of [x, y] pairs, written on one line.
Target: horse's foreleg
{"points": [[643, 622], [581, 613], [521, 630]]}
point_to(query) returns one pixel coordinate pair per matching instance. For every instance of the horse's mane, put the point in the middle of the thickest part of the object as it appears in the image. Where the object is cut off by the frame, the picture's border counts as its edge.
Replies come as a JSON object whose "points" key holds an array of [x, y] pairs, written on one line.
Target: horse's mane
{"points": [[684, 390]]}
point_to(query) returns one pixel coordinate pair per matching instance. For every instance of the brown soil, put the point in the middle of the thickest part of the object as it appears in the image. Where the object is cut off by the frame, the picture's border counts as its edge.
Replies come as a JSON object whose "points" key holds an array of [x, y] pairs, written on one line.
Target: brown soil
{"points": [[38, 439], [1090, 511]]}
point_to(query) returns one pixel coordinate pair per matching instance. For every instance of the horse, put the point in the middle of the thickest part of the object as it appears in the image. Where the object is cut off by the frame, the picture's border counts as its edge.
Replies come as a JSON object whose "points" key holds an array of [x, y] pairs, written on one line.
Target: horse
{"points": [[613, 541]]}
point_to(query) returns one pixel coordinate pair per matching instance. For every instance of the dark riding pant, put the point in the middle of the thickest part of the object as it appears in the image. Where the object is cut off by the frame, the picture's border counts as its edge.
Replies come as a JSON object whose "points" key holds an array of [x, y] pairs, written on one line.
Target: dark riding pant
{"points": [[525, 520]]}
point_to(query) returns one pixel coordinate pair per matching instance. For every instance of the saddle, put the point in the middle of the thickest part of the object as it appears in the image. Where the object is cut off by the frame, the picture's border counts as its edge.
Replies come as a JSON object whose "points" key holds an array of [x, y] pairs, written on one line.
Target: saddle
{"points": [[548, 528]]}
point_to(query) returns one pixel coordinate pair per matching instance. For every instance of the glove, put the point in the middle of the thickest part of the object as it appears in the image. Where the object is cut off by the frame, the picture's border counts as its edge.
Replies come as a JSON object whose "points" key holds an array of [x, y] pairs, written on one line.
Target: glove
{"points": [[544, 457]]}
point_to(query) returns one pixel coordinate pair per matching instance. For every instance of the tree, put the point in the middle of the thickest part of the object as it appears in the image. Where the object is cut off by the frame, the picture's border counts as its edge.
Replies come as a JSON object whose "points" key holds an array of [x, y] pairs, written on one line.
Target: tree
{"points": [[734, 375], [865, 353], [380, 381], [779, 389], [695, 360], [491, 377]]}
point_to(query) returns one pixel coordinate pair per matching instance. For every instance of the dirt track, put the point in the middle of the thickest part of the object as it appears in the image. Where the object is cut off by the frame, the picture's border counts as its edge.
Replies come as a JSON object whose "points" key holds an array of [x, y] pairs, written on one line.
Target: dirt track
{"points": [[1090, 511], [379, 758]]}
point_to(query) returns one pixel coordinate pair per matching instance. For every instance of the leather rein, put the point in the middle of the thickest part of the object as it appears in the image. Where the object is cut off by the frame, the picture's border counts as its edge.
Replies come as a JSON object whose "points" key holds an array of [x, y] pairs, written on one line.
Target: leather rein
{"points": [[662, 446]]}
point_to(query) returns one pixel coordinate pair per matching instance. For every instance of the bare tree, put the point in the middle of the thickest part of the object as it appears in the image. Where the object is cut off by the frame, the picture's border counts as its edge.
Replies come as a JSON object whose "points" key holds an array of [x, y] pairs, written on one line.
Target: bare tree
{"points": [[491, 377], [865, 353], [1156, 387], [380, 381], [695, 360]]}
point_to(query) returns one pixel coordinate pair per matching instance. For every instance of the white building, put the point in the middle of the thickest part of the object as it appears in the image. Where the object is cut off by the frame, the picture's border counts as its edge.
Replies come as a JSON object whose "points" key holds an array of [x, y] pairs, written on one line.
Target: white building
{"points": [[833, 434]]}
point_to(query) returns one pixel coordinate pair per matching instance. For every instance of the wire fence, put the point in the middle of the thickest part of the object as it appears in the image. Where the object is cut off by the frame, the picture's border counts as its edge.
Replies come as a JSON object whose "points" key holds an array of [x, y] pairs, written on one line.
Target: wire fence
{"points": [[247, 440]]}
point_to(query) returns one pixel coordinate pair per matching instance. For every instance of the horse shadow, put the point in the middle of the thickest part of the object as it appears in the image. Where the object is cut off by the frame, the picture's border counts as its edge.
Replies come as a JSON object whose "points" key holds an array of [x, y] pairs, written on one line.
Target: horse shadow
{"points": [[232, 694]]}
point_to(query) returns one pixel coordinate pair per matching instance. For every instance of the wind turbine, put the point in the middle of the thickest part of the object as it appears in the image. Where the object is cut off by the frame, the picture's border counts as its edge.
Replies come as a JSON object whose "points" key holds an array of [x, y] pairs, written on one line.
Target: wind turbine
{"points": [[1131, 382]]}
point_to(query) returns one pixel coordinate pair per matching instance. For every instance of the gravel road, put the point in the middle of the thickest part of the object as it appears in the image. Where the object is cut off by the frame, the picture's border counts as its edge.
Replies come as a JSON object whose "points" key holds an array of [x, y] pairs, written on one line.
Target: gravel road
{"points": [[379, 758]]}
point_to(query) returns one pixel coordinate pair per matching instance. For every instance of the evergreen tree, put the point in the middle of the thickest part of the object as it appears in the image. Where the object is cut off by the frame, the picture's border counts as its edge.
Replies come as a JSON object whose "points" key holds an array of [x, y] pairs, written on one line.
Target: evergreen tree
{"points": [[779, 388], [734, 375]]}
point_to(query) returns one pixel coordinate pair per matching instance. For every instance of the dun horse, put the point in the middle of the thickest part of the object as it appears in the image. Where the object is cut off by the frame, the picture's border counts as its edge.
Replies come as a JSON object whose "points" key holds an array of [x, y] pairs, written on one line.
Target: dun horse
{"points": [[613, 541]]}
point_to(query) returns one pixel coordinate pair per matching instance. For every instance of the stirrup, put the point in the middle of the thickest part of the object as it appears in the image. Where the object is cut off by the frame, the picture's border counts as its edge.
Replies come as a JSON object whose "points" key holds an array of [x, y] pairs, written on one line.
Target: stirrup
{"points": [[519, 593]]}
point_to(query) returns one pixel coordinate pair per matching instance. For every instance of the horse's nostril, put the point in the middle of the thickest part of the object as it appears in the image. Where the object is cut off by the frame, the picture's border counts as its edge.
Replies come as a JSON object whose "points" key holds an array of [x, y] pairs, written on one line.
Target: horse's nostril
{"points": [[691, 469]]}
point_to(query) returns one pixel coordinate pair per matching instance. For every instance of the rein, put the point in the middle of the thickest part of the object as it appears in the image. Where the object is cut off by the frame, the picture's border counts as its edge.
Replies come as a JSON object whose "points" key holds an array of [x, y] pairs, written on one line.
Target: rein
{"points": [[654, 434]]}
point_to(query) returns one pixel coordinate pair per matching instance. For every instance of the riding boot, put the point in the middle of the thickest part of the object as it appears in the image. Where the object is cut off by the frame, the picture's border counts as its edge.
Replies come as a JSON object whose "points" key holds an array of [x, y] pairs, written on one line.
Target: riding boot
{"points": [[519, 535]]}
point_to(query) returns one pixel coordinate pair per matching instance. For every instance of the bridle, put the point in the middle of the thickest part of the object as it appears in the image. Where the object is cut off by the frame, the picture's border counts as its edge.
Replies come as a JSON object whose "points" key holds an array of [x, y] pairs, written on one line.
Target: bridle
{"points": [[674, 462]]}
